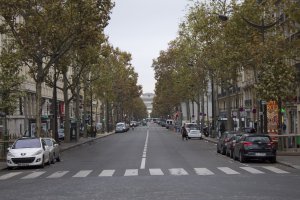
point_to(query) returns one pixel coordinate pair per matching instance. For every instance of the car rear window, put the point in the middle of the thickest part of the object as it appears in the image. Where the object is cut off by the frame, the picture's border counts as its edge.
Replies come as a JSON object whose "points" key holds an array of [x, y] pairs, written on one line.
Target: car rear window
{"points": [[192, 126], [258, 139], [28, 143]]}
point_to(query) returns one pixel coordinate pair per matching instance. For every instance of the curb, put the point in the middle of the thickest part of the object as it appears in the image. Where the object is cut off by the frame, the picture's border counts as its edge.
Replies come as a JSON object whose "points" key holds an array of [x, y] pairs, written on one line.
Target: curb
{"points": [[76, 144]]}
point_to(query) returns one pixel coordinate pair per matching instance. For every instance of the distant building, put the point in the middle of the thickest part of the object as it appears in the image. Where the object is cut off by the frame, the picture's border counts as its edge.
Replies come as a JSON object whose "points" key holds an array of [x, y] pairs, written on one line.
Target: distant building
{"points": [[148, 100]]}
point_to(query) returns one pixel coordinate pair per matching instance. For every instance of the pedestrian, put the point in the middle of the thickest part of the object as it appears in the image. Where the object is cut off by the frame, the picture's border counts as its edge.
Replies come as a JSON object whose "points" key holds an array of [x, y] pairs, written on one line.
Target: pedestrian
{"points": [[184, 132]]}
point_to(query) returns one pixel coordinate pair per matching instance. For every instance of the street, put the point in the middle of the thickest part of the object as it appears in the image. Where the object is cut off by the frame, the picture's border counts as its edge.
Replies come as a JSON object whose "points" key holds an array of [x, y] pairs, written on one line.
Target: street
{"points": [[150, 163]]}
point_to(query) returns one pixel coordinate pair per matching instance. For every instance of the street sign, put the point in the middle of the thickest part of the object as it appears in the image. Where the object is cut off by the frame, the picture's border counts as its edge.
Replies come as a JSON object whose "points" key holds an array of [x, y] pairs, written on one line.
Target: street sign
{"points": [[263, 102]]}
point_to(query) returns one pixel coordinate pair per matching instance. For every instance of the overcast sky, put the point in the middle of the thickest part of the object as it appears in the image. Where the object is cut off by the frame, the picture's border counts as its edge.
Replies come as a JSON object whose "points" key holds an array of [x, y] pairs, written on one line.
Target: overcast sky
{"points": [[144, 28]]}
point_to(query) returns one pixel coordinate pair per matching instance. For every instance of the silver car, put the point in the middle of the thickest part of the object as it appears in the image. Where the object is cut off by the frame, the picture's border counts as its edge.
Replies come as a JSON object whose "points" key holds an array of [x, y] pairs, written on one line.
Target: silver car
{"points": [[53, 149]]}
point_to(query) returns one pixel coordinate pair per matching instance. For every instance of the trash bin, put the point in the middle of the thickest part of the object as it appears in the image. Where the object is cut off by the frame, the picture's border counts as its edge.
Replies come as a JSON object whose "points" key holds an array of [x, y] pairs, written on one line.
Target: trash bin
{"points": [[73, 131]]}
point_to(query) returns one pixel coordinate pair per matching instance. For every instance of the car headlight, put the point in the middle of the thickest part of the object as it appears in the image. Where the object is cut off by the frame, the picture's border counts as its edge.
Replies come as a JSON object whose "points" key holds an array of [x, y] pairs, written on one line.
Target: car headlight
{"points": [[10, 154], [38, 152]]}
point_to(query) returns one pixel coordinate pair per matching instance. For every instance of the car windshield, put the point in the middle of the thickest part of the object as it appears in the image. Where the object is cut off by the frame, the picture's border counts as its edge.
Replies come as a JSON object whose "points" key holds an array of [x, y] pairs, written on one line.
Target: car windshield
{"points": [[48, 142], [27, 143], [258, 139], [120, 125]]}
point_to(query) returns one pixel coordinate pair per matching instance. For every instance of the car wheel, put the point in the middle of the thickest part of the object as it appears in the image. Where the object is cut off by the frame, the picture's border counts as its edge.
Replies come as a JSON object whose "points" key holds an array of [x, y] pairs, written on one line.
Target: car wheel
{"points": [[241, 157], [58, 158], [231, 154], [223, 151], [53, 160], [273, 160], [43, 163]]}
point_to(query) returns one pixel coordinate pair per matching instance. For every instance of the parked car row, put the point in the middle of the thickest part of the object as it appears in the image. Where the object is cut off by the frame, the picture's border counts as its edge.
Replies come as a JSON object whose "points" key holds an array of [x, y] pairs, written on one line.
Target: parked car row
{"points": [[247, 146], [31, 151], [121, 127]]}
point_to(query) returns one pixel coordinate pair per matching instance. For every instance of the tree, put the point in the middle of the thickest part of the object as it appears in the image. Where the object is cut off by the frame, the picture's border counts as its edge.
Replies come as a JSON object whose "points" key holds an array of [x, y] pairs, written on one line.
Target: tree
{"points": [[10, 79], [46, 30]]}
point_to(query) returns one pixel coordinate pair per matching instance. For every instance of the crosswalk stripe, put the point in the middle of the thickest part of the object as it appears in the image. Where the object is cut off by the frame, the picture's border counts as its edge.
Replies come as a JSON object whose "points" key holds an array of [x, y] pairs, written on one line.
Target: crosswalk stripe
{"points": [[82, 173], [33, 175], [252, 170], [276, 170], [203, 171], [131, 172], [9, 175], [227, 170], [107, 173], [156, 172], [178, 171], [58, 174]]}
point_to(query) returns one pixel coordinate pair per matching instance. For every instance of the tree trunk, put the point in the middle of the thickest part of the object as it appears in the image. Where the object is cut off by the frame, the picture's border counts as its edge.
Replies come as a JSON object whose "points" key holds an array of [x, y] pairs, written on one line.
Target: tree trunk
{"points": [[67, 110], [38, 109], [84, 109], [202, 111], [77, 114]]}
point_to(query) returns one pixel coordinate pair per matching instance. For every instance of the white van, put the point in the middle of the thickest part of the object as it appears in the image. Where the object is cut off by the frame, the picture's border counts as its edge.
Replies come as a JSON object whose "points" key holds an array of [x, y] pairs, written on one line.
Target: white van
{"points": [[169, 123]]}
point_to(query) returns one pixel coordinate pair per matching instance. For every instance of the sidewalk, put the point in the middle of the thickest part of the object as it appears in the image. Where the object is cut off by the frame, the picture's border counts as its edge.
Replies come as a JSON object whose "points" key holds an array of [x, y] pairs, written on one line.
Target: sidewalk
{"points": [[284, 158], [67, 146]]}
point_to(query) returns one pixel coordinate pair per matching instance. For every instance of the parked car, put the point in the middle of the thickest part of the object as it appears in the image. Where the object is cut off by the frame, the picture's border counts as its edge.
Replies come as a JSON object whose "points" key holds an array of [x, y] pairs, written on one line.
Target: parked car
{"points": [[120, 127], [61, 134], [53, 149], [193, 130], [255, 146], [231, 143], [223, 140], [28, 152]]}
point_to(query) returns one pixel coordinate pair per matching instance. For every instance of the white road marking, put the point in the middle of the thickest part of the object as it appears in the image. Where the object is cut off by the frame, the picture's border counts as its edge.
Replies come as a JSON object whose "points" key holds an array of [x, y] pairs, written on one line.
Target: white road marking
{"points": [[203, 171], [33, 175], [58, 174], [276, 170], [144, 156], [227, 170], [107, 173], [82, 173], [156, 172], [9, 175], [252, 170], [131, 172], [143, 163], [178, 171]]}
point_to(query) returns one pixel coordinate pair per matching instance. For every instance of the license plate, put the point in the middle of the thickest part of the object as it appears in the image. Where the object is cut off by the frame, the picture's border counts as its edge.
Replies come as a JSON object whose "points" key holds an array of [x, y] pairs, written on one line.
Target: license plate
{"points": [[23, 164], [260, 154]]}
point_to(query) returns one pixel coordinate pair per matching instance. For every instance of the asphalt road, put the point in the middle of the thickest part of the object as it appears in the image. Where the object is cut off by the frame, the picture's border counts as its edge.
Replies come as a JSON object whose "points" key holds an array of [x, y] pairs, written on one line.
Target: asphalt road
{"points": [[150, 163]]}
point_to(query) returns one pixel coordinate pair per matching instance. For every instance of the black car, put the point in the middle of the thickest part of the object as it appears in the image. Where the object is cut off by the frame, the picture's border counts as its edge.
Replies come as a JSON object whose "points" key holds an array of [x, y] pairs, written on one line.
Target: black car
{"points": [[231, 143], [223, 140], [255, 146]]}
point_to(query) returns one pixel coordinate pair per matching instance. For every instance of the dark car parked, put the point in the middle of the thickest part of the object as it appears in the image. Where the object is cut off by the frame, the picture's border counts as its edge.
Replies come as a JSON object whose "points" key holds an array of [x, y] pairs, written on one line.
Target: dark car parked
{"points": [[222, 142], [255, 146], [231, 143]]}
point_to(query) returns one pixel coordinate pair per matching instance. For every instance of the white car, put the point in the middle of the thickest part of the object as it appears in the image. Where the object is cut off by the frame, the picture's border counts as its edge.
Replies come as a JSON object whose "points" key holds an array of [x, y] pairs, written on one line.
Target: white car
{"points": [[120, 127], [28, 152], [53, 149], [193, 130]]}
